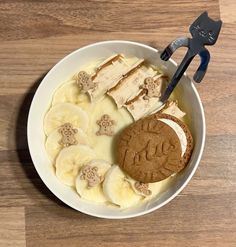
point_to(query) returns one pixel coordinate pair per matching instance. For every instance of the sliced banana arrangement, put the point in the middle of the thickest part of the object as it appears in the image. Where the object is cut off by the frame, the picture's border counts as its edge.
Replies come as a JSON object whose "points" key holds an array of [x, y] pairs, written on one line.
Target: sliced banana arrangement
{"points": [[86, 117]]}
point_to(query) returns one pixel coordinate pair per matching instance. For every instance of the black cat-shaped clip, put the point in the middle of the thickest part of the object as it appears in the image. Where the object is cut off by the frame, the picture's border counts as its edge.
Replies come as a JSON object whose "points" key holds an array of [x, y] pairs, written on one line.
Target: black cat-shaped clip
{"points": [[204, 31]]}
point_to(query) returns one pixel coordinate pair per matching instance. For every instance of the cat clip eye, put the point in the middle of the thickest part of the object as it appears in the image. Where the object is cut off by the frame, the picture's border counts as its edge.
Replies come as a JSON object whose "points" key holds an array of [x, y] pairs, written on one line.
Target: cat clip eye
{"points": [[204, 31]]}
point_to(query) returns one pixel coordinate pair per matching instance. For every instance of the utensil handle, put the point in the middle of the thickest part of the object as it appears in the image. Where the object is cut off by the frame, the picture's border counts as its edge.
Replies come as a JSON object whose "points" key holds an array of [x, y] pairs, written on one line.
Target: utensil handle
{"points": [[177, 76]]}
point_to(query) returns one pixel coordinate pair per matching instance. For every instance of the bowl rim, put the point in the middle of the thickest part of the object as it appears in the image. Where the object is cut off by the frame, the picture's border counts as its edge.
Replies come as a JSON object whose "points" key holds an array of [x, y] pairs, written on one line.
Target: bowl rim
{"points": [[131, 215]]}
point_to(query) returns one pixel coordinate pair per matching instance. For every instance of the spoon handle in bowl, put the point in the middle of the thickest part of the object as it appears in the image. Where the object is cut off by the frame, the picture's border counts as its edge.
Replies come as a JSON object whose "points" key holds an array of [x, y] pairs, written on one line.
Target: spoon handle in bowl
{"points": [[176, 77]]}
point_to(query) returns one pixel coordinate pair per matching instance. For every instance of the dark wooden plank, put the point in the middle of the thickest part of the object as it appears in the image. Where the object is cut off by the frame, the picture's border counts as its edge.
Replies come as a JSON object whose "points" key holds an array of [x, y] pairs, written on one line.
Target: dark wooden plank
{"points": [[34, 19], [197, 225], [12, 230], [20, 183]]}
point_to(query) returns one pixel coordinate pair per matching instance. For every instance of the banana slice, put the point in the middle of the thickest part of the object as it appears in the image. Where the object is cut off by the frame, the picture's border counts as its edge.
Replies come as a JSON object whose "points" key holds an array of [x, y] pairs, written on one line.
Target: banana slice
{"points": [[52, 143], [97, 170], [118, 190], [68, 92], [70, 160], [150, 190], [65, 113]]}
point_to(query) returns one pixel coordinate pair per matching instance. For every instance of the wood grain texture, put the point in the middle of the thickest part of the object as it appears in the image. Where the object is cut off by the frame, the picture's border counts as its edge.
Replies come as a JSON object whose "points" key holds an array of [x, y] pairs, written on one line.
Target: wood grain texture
{"points": [[12, 230], [227, 11], [34, 36], [171, 225], [34, 19]]}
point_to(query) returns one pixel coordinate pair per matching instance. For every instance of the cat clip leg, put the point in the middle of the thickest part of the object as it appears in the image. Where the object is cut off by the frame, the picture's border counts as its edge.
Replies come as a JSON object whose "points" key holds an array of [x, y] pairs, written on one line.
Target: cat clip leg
{"points": [[201, 71], [173, 46]]}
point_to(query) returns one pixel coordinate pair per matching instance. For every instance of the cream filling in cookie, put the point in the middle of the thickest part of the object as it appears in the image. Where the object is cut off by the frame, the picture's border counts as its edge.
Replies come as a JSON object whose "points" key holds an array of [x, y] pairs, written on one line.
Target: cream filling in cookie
{"points": [[179, 131]]}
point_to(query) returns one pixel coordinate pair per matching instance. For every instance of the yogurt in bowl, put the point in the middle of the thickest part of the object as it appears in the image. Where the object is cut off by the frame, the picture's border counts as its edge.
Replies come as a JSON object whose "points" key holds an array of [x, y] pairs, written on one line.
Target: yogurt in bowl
{"points": [[91, 140]]}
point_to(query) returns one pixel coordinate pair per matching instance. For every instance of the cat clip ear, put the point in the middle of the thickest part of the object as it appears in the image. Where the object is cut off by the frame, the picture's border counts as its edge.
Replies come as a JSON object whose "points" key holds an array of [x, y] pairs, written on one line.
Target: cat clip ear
{"points": [[205, 13], [218, 26], [201, 18], [219, 23]]}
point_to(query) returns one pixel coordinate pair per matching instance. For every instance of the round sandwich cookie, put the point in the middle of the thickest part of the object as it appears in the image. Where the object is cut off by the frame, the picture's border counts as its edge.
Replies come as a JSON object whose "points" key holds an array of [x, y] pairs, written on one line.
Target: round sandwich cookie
{"points": [[154, 148]]}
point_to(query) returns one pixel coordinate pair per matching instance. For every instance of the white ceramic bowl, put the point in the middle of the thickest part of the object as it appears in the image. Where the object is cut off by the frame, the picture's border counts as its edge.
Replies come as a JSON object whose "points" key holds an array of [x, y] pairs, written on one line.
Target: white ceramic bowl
{"points": [[63, 70]]}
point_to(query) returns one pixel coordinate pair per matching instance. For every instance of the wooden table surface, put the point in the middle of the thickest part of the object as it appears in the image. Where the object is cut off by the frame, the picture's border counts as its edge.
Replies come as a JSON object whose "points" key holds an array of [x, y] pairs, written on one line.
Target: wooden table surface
{"points": [[34, 35]]}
